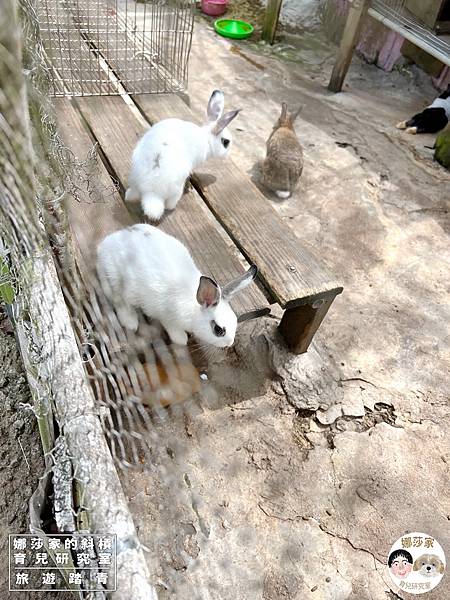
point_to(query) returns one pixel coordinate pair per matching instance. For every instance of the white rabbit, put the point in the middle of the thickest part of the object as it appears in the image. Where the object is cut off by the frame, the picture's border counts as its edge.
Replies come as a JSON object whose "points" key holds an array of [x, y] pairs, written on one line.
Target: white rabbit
{"points": [[168, 153], [141, 267]]}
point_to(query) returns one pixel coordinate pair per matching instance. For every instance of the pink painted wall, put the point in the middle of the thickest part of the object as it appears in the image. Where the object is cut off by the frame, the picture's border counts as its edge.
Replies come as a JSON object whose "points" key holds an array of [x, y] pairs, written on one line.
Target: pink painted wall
{"points": [[381, 46]]}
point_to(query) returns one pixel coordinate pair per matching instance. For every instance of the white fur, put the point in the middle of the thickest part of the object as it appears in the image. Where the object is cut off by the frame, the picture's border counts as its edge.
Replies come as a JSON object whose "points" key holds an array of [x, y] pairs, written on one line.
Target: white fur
{"points": [[141, 267], [442, 103], [169, 152], [283, 195]]}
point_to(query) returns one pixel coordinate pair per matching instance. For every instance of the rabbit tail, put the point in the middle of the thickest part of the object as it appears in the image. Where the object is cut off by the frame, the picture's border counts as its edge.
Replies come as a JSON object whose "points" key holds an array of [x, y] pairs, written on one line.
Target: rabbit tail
{"points": [[131, 195], [153, 206]]}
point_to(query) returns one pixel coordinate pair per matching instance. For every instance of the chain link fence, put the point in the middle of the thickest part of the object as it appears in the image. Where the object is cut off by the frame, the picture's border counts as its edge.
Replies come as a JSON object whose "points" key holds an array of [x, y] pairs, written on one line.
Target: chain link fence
{"points": [[96, 388]]}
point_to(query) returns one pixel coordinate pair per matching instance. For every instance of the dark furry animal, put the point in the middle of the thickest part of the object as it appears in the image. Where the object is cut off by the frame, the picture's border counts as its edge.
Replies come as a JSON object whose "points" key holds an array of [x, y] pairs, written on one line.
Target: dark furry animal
{"points": [[431, 120]]}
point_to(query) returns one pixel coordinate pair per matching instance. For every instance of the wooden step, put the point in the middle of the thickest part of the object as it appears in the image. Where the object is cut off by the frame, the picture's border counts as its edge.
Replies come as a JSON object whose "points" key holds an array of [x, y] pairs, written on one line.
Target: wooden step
{"points": [[110, 122], [290, 272]]}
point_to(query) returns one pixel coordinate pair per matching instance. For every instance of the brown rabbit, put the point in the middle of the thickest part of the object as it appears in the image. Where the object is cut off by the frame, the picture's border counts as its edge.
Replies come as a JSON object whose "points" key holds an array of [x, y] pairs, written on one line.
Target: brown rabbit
{"points": [[283, 165]]}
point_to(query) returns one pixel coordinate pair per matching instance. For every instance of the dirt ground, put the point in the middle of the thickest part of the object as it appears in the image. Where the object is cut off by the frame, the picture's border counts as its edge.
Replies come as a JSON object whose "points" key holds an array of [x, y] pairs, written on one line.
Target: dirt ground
{"points": [[298, 489], [295, 487], [21, 459]]}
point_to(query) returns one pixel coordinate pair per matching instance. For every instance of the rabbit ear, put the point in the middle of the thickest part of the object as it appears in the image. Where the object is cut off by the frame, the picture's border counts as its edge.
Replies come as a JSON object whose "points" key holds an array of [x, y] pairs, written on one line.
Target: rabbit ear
{"points": [[215, 105], [208, 292], [238, 284], [283, 111], [295, 114], [225, 121]]}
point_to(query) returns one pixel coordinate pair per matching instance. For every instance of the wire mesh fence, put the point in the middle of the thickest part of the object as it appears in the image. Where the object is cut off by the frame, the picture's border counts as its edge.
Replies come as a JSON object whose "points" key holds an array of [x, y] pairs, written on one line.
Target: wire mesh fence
{"points": [[96, 45], [409, 18], [97, 388]]}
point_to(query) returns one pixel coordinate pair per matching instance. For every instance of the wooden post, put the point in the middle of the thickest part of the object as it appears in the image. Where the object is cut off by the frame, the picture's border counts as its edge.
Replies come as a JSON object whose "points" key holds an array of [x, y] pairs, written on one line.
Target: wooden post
{"points": [[271, 20], [300, 323], [357, 11]]}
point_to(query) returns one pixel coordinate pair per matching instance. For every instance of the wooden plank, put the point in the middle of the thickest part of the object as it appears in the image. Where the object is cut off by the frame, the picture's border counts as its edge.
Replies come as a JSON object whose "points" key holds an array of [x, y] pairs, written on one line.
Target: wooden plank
{"points": [[271, 19], [299, 324], [51, 359], [95, 207], [117, 131], [357, 11], [288, 270], [91, 218]]}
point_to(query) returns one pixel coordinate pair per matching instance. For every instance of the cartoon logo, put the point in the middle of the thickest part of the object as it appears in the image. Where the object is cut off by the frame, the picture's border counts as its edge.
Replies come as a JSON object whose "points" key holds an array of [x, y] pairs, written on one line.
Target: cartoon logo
{"points": [[416, 563], [400, 563]]}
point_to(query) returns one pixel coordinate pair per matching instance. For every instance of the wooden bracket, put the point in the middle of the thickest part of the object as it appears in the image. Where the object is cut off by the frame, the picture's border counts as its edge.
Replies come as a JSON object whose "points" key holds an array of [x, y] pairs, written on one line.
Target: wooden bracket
{"points": [[300, 323]]}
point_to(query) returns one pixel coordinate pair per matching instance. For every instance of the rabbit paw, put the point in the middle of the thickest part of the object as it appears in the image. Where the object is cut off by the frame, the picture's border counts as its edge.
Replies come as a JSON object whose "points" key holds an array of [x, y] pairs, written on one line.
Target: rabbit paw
{"points": [[128, 317], [131, 195], [177, 336], [172, 202], [282, 194]]}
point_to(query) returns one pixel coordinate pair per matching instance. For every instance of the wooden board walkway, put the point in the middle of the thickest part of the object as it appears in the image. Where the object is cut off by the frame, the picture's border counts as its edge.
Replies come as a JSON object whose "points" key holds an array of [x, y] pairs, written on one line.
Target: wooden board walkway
{"points": [[108, 121], [291, 274], [226, 225]]}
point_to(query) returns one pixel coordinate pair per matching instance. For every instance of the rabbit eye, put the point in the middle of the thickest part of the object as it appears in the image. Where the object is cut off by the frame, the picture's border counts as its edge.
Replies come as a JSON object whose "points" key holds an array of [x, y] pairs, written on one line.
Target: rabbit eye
{"points": [[225, 142], [218, 330]]}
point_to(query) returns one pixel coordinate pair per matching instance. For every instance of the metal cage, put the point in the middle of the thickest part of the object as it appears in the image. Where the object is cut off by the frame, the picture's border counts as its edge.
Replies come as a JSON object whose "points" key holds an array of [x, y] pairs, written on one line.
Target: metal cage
{"points": [[101, 47]]}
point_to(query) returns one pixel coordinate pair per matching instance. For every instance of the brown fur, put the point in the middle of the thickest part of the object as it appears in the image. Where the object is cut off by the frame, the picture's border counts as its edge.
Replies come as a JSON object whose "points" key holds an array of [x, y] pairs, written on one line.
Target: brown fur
{"points": [[283, 165]]}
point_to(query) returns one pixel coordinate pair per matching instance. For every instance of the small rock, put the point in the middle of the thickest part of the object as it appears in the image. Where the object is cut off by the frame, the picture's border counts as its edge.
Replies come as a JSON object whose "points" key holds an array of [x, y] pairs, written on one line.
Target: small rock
{"points": [[326, 417], [226, 525], [19, 426]]}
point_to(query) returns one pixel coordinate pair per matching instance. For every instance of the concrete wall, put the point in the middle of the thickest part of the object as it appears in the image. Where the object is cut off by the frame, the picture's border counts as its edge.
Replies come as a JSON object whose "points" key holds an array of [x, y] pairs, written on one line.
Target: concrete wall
{"points": [[304, 14]]}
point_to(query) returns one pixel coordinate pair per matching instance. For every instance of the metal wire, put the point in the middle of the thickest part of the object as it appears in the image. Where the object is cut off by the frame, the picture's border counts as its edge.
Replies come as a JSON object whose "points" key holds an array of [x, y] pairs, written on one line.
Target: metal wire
{"points": [[94, 44], [68, 345], [396, 15]]}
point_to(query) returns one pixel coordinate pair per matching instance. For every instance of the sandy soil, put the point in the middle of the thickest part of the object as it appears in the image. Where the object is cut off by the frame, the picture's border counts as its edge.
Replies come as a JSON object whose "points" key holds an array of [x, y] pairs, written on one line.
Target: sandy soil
{"points": [[298, 489], [21, 460]]}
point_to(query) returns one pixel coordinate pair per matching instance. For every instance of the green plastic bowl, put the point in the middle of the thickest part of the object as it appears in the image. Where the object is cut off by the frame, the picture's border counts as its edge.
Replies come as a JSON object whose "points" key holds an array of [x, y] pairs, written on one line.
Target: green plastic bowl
{"points": [[231, 28]]}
